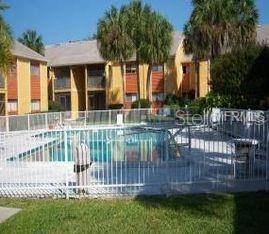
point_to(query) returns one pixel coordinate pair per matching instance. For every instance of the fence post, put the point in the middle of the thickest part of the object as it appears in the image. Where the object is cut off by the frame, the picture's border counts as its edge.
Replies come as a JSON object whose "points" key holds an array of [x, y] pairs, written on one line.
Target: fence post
{"points": [[267, 156], [109, 116], [7, 123], [28, 121], [66, 162], [46, 121], [85, 118], [189, 137], [61, 120]]}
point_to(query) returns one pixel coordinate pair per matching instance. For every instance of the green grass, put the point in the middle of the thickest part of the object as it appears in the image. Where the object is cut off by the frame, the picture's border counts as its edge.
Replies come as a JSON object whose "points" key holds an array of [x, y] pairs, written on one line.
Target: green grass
{"points": [[221, 213]]}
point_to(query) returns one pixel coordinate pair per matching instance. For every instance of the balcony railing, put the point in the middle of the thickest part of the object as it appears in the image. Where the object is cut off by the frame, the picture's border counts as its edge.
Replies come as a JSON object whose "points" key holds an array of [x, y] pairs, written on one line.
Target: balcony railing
{"points": [[63, 83], [96, 82], [2, 82]]}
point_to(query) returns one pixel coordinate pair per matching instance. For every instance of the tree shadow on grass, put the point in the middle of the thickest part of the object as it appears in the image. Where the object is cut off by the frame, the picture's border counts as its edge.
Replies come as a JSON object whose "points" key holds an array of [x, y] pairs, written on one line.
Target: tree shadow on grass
{"points": [[198, 204], [249, 211]]}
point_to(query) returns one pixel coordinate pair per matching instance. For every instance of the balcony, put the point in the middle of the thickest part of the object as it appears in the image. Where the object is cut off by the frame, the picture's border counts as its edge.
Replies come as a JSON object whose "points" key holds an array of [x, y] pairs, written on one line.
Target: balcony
{"points": [[96, 82], [62, 83], [2, 82]]}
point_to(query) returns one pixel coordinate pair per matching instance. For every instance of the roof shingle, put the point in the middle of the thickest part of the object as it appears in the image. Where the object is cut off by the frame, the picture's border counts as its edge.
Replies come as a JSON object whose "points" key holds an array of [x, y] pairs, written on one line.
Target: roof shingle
{"points": [[73, 53], [86, 52], [20, 50]]}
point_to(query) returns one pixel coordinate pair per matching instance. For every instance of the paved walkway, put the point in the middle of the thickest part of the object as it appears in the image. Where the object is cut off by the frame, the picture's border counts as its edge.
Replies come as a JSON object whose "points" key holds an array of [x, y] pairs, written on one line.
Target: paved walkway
{"points": [[6, 213]]}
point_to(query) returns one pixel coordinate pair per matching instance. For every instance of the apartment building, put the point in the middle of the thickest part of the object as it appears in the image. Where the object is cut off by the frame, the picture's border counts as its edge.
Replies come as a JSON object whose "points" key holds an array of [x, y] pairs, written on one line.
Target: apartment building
{"points": [[77, 76], [80, 79], [24, 88]]}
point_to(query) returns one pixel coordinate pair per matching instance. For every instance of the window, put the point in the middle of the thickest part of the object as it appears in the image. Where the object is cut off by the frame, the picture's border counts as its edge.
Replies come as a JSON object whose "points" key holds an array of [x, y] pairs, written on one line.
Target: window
{"points": [[35, 69], [96, 73], [131, 97], [35, 105], [2, 81], [131, 68], [185, 69], [12, 106], [65, 101], [157, 97], [62, 73], [157, 68], [2, 104], [13, 68]]}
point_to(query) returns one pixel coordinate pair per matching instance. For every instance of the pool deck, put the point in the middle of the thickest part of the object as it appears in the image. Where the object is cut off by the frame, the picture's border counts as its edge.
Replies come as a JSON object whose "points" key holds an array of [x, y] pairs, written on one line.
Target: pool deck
{"points": [[11, 147]]}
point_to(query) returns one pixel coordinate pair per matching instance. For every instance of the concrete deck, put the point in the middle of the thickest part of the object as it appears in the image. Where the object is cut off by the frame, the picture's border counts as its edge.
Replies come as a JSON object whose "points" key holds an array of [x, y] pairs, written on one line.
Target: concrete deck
{"points": [[6, 213]]}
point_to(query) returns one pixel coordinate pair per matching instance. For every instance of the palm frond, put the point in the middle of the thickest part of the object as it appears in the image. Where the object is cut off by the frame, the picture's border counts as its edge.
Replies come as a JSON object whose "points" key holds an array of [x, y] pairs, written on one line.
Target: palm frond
{"points": [[33, 40]]}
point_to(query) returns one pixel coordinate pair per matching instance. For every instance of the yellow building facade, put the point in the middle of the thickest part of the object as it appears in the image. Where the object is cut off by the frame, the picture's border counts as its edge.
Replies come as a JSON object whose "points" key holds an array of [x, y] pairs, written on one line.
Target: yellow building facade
{"points": [[23, 89], [79, 78]]}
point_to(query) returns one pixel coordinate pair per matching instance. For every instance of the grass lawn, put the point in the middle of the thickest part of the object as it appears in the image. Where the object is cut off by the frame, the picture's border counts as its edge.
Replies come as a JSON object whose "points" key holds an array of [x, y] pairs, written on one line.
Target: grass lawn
{"points": [[220, 213]]}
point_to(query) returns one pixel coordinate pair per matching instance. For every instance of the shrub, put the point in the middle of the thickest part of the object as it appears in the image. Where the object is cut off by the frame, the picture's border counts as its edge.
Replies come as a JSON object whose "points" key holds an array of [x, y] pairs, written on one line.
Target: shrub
{"points": [[55, 106], [115, 106], [173, 100], [209, 101], [144, 103], [242, 75], [200, 104]]}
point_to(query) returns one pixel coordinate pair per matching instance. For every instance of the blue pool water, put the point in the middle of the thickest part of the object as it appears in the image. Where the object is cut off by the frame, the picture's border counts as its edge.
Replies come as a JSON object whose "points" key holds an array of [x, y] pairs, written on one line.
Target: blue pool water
{"points": [[108, 145]]}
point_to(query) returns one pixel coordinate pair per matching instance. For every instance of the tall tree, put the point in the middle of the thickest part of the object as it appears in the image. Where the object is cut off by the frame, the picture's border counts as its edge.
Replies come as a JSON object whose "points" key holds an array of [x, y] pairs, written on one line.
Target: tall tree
{"points": [[5, 41], [114, 43], [217, 26], [155, 47], [33, 40], [137, 14]]}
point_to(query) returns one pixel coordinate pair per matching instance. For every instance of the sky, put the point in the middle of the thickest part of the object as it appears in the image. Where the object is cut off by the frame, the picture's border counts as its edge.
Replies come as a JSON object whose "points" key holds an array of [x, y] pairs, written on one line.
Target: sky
{"points": [[67, 20]]}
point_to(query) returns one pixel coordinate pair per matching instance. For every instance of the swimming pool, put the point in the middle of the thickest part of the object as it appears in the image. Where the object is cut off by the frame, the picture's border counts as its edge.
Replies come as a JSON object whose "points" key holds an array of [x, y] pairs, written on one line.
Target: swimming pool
{"points": [[108, 145]]}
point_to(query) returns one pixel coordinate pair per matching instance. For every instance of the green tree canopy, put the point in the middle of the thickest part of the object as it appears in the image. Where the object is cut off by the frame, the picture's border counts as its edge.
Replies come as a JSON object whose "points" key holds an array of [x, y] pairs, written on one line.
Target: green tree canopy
{"points": [[242, 75], [216, 26], [137, 14], [33, 40], [134, 29], [114, 43], [155, 48], [6, 41]]}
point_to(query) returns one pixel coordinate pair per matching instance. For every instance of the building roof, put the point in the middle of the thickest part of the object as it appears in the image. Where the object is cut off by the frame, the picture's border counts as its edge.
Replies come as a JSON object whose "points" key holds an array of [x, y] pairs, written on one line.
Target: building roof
{"points": [[23, 51], [263, 33], [86, 52], [73, 53]]}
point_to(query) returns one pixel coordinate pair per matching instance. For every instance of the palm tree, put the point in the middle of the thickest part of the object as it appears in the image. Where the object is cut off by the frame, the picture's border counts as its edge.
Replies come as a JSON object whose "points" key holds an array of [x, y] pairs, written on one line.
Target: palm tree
{"points": [[156, 45], [137, 14], [31, 39], [216, 26], [114, 43], [5, 41]]}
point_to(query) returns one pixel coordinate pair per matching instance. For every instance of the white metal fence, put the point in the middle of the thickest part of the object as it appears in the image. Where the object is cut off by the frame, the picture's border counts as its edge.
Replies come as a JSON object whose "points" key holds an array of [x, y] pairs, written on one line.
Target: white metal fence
{"points": [[154, 152], [52, 120]]}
